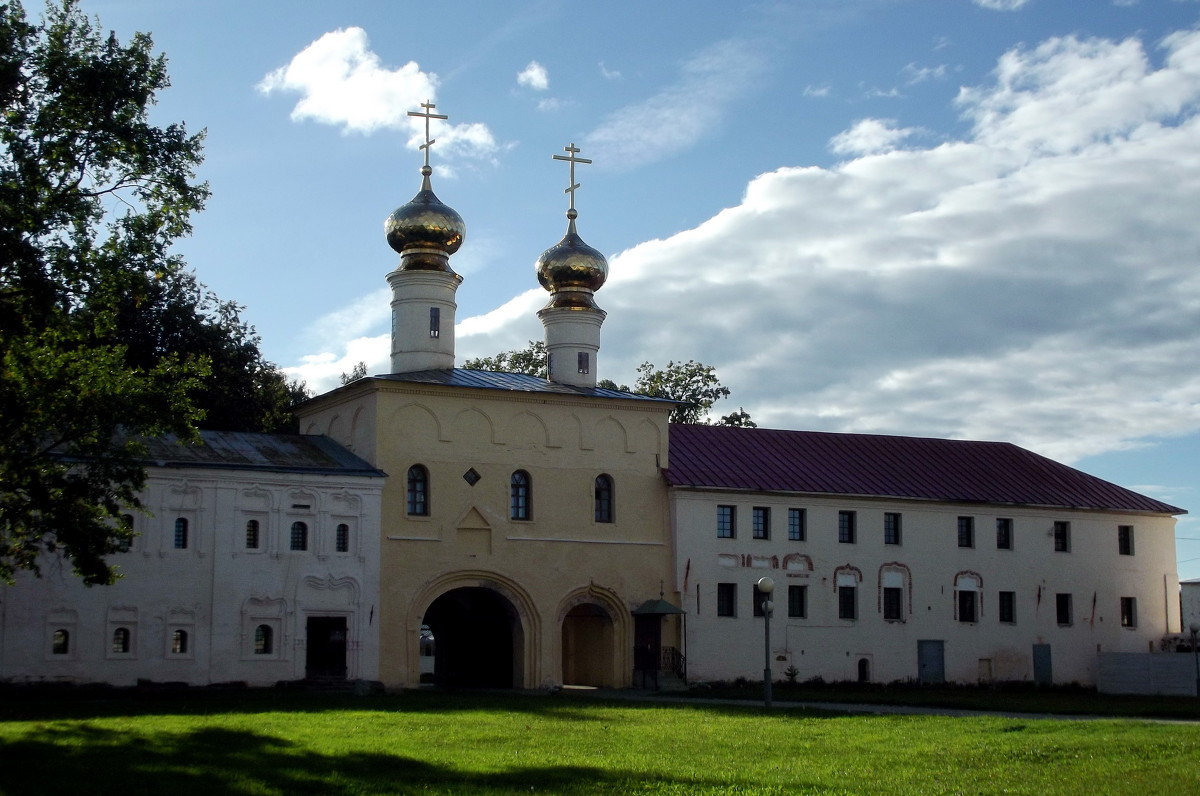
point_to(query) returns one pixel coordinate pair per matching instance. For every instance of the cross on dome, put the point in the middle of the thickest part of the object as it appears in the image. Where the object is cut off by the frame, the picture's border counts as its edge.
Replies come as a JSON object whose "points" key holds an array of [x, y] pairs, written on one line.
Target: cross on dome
{"points": [[572, 151], [427, 115]]}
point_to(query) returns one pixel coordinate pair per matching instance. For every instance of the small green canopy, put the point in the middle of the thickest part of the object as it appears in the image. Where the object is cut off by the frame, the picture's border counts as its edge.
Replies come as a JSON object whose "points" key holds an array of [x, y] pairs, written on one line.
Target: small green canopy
{"points": [[659, 607]]}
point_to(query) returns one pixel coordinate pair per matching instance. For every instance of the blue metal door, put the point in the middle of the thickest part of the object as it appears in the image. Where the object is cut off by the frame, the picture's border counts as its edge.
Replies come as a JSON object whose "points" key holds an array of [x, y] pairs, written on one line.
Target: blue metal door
{"points": [[931, 661]]}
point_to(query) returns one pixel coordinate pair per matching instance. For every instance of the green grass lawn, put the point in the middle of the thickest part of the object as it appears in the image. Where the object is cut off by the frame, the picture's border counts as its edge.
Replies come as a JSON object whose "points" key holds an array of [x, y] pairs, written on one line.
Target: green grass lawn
{"points": [[267, 742]]}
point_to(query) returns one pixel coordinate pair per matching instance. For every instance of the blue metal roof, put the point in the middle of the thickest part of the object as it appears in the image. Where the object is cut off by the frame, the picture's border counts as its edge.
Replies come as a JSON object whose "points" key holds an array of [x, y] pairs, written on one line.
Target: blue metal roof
{"points": [[511, 382], [240, 450]]}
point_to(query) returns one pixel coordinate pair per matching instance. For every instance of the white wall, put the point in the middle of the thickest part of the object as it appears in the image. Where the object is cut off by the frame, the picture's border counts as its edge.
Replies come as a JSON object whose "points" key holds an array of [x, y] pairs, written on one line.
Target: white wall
{"points": [[821, 644], [215, 590]]}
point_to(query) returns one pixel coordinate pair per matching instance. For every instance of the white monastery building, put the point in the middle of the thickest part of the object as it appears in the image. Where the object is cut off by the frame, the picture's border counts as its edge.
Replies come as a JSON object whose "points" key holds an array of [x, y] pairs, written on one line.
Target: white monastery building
{"points": [[256, 561], [549, 531]]}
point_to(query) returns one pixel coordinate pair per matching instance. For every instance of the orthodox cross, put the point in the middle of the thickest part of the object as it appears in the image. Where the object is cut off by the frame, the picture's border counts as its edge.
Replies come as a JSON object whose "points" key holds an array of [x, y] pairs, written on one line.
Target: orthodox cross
{"points": [[427, 115], [572, 151]]}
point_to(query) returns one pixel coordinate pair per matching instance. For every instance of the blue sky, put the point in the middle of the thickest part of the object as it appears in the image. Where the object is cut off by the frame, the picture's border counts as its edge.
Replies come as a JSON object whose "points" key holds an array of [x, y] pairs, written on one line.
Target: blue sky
{"points": [[954, 218]]}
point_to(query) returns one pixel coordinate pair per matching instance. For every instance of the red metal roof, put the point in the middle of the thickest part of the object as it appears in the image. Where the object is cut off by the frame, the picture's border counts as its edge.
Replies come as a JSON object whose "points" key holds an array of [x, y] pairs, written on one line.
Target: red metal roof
{"points": [[814, 462]]}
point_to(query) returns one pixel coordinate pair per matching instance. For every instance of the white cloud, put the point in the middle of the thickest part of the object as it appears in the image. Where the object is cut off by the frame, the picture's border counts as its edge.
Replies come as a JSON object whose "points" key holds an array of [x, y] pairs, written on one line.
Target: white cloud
{"points": [[817, 91], [681, 114], [534, 76], [1000, 5], [609, 74], [869, 136], [1034, 280], [341, 82], [914, 74]]}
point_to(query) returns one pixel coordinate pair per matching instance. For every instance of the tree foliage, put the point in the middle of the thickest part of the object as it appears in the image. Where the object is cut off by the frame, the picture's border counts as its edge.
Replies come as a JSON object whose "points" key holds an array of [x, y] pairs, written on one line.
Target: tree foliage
{"points": [[694, 384], [104, 337], [530, 360]]}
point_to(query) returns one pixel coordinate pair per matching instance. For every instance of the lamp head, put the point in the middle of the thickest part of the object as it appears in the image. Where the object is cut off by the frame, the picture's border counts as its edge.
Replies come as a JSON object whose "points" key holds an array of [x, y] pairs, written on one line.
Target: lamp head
{"points": [[1194, 627], [766, 585]]}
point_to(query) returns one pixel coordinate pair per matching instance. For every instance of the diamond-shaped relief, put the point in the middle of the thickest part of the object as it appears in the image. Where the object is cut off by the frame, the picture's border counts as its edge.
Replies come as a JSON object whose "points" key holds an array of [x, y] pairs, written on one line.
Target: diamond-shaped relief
{"points": [[472, 477]]}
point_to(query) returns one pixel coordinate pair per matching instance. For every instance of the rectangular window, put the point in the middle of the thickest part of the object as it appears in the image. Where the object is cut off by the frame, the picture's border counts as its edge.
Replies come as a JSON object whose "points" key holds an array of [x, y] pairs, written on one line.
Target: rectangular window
{"points": [[1008, 607], [1125, 540], [726, 522], [966, 532], [585, 365], [798, 601], [1128, 612], [1062, 606], [1062, 537], [796, 525], [893, 603], [759, 598], [435, 322], [846, 528], [1004, 533], [726, 599], [847, 602], [252, 535], [967, 607], [891, 527], [341, 539], [760, 522]]}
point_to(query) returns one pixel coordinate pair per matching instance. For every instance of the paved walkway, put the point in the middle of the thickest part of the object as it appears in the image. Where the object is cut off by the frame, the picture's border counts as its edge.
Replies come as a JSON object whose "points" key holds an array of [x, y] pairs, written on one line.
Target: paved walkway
{"points": [[636, 695]]}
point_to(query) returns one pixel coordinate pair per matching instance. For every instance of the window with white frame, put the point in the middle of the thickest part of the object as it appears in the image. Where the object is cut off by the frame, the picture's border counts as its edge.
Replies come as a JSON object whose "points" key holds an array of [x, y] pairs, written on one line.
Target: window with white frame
{"points": [[726, 522], [760, 522], [1062, 537], [796, 525]]}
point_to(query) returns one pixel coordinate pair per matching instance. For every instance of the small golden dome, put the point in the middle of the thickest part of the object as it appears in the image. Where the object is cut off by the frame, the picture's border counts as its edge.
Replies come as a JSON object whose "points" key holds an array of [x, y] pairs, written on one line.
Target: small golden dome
{"points": [[425, 223], [571, 270]]}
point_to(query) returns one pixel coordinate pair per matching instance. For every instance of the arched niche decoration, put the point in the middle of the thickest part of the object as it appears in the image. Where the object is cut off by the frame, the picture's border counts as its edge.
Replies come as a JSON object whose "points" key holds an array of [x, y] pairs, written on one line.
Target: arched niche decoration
{"points": [[797, 562], [843, 575], [416, 422], [649, 437], [527, 430], [471, 425], [889, 574], [336, 429], [610, 436]]}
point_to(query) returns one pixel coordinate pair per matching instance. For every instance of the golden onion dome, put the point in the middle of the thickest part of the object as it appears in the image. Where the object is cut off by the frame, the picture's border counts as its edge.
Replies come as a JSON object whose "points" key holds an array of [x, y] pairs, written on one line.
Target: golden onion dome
{"points": [[425, 223], [571, 270]]}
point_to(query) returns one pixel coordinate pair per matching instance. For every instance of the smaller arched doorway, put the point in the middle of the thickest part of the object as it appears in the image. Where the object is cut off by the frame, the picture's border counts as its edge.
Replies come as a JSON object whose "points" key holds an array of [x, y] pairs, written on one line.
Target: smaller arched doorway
{"points": [[864, 670], [479, 639], [587, 647]]}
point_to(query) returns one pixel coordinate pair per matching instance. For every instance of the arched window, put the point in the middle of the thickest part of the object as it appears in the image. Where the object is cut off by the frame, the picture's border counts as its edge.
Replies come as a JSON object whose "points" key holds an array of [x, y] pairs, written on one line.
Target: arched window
{"points": [[342, 538], [60, 644], [120, 640], [179, 642], [252, 535], [262, 640], [299, 536], [181, 533], [604, 498], [418, 491], [520, 496]]}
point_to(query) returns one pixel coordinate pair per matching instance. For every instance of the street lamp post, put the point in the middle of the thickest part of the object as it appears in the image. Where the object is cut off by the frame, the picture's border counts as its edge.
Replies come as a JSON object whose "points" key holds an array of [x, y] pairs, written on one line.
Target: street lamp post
{"points": [[1195, 628], [766, 586]]}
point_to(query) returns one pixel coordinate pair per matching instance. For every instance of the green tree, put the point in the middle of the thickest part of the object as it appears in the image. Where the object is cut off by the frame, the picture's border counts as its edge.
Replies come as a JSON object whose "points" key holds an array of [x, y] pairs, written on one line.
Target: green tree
{"points": [[359, 371], [91, 198], [530, 360], [693, 384], [178, 316]]}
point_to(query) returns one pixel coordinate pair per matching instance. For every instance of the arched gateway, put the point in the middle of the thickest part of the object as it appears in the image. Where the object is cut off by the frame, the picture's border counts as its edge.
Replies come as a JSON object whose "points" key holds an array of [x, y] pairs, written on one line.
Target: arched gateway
{"points": [[484, 631]]}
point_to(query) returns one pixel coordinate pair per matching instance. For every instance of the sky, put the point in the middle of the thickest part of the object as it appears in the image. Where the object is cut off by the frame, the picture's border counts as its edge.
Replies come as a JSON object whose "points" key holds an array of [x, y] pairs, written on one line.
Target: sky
{"points": [[970, 219]]}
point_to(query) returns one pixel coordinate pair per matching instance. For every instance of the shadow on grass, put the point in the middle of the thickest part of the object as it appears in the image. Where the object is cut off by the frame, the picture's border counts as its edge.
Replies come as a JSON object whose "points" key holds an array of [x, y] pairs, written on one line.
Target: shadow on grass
{"points": [[38, 704], [84, 759]]}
